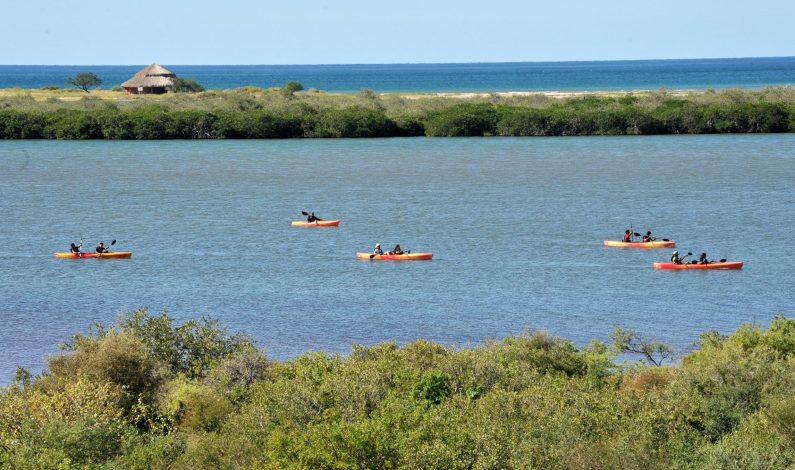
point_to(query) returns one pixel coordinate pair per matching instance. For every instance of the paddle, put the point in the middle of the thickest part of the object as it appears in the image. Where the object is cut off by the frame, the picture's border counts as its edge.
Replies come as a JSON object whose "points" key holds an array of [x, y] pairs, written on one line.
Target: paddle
{"points": [[682, 259]]}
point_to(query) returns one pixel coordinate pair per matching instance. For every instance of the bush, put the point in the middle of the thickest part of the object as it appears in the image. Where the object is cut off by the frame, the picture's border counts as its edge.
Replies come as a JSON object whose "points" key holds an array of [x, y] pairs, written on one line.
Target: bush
{"points": [[186, 85], [464, 120]]}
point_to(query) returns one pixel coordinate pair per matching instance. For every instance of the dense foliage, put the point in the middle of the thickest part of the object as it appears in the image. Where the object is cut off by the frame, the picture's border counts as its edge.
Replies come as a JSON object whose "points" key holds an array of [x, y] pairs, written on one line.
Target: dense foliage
{"points": [[282, 113], [147, 393]]}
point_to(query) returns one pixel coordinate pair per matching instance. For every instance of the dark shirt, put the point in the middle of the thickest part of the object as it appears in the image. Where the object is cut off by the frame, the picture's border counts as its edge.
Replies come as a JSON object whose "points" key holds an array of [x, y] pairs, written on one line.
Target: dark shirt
{"points": [[102, 249]]}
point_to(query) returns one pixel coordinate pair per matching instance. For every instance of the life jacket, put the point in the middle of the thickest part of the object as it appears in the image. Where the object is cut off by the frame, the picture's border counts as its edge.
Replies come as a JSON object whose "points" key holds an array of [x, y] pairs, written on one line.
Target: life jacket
{"points": [[628, 237]]}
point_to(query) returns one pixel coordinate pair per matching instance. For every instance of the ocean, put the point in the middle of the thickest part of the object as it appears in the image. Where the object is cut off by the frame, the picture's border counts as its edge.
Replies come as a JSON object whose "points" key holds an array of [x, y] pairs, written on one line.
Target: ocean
{"points": [[695, 74]]}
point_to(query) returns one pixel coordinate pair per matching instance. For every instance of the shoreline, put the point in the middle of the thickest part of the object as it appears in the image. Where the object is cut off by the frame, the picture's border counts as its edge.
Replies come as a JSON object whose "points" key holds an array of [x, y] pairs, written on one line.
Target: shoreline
{"points": [[73, 94]]}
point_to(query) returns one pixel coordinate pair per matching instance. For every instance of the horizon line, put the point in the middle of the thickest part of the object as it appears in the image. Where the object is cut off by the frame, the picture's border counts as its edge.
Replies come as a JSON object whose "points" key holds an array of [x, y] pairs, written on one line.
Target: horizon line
{"points": [[405, 63]]}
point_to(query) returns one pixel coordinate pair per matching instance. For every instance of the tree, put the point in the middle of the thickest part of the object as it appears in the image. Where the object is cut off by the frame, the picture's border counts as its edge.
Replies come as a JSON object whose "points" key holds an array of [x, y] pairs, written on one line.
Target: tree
{"points": [[84, 81], [627, 340], [291, 87], [186, 85]]}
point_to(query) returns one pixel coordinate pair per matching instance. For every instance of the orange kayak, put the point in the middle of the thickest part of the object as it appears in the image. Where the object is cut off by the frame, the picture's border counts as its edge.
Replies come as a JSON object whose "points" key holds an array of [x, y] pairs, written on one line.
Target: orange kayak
{"points": [[115, 254], [317, 223], [654, 244], [403, 257], [714, 265]]}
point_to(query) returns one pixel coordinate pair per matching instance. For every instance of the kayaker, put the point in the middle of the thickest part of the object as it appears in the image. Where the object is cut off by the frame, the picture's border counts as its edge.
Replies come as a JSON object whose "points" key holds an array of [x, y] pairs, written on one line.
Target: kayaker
{"points": [[311, 218], [648, 238], [627, 236], [101, 248], [378, 250], [75, 248], [675, 259], [702, 259], [398, 250]]}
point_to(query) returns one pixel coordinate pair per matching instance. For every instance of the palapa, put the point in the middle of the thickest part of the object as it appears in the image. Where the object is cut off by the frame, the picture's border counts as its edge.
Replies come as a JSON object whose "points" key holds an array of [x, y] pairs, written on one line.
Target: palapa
{"points": [[151, 79]]}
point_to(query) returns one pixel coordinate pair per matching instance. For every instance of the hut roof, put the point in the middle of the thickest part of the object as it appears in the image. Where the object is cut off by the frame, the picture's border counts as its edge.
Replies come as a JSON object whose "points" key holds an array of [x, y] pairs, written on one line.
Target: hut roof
{"points": [[154, 75]]}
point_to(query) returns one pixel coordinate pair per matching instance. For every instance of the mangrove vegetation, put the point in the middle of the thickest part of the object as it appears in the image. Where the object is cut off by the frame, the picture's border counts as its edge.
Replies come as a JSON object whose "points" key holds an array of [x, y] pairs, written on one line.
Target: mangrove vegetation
{"points": [[292, 112], [148, 393]]}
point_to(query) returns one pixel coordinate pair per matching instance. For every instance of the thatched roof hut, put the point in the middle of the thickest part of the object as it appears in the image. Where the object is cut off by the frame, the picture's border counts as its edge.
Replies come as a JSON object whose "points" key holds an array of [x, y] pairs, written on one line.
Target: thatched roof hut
{"points": [[152, 79]]}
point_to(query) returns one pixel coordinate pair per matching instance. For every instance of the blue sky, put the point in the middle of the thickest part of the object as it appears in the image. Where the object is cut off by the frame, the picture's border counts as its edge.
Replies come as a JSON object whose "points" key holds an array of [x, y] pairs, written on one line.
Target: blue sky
{"points": [[410, 31]]}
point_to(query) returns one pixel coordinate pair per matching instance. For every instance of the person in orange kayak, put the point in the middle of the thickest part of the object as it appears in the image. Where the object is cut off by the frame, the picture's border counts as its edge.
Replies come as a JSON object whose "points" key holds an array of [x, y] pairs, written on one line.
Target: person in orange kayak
{"points": [[378, 250], [648, 238], [703, 259], [312, 218], [398, 250], [75, 248], [627, 236], [101, 248], [675, 258]]}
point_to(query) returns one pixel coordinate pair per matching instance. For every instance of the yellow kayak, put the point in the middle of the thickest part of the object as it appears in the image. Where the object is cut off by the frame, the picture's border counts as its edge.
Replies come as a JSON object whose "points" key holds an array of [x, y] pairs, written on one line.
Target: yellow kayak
{"points": [[317, 223]]}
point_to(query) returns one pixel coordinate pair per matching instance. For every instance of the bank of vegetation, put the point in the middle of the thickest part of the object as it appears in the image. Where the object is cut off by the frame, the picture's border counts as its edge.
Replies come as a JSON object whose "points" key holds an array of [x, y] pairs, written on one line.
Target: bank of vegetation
{"points": [[147, 393], [250, 112]]}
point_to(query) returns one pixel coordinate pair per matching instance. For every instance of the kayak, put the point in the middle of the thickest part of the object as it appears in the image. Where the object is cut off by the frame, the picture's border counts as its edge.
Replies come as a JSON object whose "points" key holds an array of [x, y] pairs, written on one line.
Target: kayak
{"points": [[713, 265], [654, 244], [115, 254], [403, 257], [317, 223]]}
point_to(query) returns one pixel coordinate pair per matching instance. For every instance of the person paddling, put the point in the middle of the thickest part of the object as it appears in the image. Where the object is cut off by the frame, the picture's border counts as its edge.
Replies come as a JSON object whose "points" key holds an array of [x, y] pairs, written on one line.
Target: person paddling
{"points": [[378, 250], [101, 248], [398, 250], [75, 248], [312, 218], [627, 236], [648, 238], [703, 259], [675, 258]]}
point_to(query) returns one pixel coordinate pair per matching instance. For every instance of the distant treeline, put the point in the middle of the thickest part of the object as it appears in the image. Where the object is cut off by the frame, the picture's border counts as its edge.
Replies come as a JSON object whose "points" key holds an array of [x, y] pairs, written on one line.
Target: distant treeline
{"points": [[587, 115]]}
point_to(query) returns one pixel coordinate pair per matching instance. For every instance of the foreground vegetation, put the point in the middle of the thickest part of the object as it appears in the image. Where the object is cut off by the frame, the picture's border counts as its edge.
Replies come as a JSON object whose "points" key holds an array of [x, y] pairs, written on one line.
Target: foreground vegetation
{"points": [[147, 393], [251, 112]]}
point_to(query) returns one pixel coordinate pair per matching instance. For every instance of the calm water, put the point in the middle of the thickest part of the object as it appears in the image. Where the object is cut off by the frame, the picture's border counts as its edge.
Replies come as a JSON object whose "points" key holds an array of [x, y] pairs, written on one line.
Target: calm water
{"points": [[517, 76], [516, 227]]}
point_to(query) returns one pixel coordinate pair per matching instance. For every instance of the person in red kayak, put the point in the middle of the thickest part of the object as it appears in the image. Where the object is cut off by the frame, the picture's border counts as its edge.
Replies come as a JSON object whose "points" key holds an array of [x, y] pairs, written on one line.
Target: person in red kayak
{"points": [[378, 250], [703, 259], [101, 248], [312, 218], [627, 236], [648, 238], [675, 259], [75, 248], [398, 250]]}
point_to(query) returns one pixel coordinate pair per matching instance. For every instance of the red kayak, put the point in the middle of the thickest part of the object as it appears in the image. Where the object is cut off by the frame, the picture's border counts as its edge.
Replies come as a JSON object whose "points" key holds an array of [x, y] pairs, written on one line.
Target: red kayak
{"points": [[712, 265], [392, 257], [652, 244], [115, 254]]}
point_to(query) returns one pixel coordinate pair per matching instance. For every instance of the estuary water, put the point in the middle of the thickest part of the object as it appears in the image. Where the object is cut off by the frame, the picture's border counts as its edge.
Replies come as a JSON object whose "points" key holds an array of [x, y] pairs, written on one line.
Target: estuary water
{"points": [[515, 224]]}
